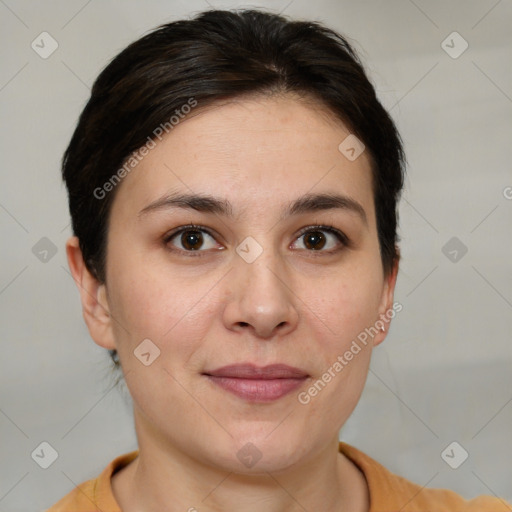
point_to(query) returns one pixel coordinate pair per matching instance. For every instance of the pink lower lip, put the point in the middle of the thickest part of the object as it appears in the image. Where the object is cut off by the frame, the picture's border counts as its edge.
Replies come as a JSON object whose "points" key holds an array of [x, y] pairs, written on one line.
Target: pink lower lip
{"points": [[257, 390]]}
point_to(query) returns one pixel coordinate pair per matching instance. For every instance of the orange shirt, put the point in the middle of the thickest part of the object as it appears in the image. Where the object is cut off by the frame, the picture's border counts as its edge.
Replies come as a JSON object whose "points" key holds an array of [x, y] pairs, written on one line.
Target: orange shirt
{"points": [[388, 492]]}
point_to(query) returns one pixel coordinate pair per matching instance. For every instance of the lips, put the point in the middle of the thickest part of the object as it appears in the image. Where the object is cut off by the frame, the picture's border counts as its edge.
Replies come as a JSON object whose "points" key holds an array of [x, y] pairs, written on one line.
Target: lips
{"points": [[249, 371], [257, 384]]}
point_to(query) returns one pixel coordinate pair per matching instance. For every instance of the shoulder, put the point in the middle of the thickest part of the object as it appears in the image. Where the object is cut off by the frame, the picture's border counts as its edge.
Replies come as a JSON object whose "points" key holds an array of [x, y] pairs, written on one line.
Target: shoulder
{"points": [[390, 492], [80, 499], [95, 495]]}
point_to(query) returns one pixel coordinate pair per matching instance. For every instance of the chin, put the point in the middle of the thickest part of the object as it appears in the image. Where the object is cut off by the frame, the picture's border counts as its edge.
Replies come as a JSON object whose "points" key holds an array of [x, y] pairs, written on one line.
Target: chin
{"points": [[255, 452]]}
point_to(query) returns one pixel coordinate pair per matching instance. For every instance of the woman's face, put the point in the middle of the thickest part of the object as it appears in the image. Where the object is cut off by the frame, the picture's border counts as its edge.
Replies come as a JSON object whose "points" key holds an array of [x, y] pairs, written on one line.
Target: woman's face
{"points": [[261, 280]]}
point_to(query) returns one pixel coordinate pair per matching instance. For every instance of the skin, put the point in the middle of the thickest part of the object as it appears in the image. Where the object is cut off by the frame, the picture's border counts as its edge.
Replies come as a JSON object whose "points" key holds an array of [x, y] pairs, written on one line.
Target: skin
{"points": [[292, 305]]}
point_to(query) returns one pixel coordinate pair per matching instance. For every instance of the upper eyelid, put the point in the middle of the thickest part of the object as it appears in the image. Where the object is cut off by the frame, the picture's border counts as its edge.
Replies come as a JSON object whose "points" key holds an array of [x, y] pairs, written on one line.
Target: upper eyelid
{"points": [[320, 227], [188, 227]]}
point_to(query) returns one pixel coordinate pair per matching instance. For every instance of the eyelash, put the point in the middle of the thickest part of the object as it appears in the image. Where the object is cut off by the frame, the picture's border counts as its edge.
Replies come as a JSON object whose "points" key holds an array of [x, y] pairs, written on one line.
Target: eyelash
{"points": [[342, 238]]}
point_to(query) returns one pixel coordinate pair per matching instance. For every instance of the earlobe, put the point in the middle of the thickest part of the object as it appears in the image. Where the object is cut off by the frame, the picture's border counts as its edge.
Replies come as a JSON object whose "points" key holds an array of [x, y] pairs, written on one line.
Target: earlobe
{"points": [[95, 307], [387, 305]]}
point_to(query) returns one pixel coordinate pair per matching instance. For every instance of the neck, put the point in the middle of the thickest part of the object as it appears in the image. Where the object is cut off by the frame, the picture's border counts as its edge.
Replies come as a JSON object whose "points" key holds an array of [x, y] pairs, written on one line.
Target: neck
{"points": [[165, 478]]}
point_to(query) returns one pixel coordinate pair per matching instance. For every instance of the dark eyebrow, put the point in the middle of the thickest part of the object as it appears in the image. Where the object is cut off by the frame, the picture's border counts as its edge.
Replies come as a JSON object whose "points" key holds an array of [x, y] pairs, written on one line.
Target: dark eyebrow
{"points": [[210, 204], [319, 202], [198, 202]]}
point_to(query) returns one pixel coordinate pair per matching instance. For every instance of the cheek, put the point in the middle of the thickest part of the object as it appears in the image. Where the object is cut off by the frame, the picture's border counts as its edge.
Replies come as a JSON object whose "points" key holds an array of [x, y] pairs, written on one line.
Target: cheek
{"points": [[343, 305], [341, 317], [147, 302], [342, 352]]}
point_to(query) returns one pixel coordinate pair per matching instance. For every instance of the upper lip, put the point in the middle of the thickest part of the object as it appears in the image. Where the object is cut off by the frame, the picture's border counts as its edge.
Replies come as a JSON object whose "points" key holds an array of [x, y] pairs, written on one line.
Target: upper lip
{"points": [[251, 371]]}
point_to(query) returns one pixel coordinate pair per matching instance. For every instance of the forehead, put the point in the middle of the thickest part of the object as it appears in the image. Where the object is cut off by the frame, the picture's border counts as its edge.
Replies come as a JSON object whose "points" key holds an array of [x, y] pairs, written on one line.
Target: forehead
{"points": [[261, 152]]}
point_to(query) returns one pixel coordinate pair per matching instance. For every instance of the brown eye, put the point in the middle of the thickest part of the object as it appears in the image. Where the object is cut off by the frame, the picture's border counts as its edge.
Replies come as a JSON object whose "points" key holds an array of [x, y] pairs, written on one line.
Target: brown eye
{"points": [[191, 239], [314, 240], [321, 238]]}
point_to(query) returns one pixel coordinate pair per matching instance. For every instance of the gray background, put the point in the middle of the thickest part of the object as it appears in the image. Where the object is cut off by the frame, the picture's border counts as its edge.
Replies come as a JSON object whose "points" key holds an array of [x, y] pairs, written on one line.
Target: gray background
{"points": [[443, 374]]}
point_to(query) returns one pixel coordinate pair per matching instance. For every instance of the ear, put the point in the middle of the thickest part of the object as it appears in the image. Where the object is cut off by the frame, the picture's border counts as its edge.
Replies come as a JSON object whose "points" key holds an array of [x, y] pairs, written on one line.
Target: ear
{"points": [[387, 310], [95, 307]]}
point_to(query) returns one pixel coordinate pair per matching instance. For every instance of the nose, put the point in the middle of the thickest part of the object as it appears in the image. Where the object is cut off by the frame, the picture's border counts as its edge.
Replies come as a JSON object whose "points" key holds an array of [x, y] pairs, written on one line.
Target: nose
{"points": [[261, 298]]}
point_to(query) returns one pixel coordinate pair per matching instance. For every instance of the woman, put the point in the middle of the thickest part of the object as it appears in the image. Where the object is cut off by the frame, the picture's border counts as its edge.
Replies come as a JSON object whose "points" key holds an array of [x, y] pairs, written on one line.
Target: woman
{"points": [[233, 185]]}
